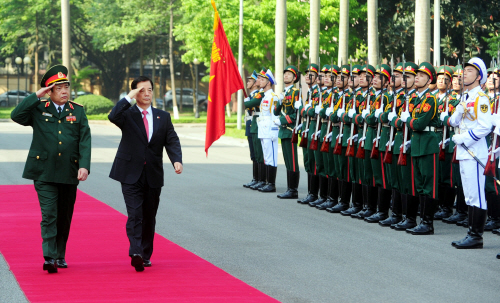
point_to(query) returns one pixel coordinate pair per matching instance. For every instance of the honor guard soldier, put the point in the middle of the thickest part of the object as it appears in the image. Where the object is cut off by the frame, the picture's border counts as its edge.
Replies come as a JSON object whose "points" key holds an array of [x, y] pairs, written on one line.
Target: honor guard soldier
{"points": [[268, 130], [424, 147], [287, 115], [254, 89], [253, 103], [473, 119], [59, 157], [310, 166]]}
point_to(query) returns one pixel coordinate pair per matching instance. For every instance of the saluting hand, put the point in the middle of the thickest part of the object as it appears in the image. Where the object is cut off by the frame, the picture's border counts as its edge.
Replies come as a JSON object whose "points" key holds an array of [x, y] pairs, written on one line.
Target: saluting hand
{"points": [[83, 173], [178, 167], [42, 91], [134, 92]]}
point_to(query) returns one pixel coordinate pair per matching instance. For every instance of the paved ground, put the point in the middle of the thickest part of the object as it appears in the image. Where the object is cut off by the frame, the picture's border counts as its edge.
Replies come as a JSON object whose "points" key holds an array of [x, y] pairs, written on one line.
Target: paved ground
{"points": [[292, 252]]}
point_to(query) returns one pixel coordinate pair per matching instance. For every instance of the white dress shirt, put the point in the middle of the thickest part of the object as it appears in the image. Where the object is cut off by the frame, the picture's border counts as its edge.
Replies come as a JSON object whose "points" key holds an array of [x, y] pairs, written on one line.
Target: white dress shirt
{"points": [[149, 117]]}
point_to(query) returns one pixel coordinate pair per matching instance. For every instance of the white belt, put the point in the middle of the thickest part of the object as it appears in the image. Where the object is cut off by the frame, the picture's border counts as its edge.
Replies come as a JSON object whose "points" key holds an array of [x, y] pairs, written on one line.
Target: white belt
{"points": [[429, 129], [255, 114]]}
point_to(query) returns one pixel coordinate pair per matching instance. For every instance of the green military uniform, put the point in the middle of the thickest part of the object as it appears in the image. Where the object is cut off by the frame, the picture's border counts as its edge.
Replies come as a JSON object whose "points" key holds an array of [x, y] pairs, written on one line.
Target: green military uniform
{"points": [[248, 124], [253, 103], [287, 115], [425, 148], [60, 147]]}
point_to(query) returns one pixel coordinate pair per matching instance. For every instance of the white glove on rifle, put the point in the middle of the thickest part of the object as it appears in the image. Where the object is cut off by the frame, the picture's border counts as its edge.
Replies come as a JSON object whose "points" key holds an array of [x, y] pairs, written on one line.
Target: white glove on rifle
{"points": [[458, 139], [408, 144], [328, 111], [317, 133], [317, 109], [306, 131], [339, 136], [365, 113], [329, 136], [247, 99], [299, 126], [459, 109], [378, 112], [277, 122], [405, 116], [497, 130], [307, 106], [443, 116], [362, 139], [447, 142], [351, 112], [355, 138], [340, 112], [391, 116], [375, 139], [282, 96], [298, 104]]}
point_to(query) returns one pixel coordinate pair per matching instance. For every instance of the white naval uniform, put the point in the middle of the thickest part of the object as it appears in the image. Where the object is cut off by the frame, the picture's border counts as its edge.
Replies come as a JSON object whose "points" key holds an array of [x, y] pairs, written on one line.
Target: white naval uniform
{"points": [[268, 131], [474, 127]]}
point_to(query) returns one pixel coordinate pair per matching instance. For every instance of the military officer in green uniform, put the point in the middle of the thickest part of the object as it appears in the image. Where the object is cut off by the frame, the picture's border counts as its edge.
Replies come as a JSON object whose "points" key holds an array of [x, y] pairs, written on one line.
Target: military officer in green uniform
{"points": [[253, 103], [424, 147], [312, 98], [59, 157], [287, 114]]}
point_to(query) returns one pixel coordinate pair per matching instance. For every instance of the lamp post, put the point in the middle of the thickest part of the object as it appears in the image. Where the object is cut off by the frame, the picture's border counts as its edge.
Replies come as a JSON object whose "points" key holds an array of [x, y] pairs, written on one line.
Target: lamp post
{"points": [[196, 112], [27, 62], [8, 61], [18, 61], [163, 62]]}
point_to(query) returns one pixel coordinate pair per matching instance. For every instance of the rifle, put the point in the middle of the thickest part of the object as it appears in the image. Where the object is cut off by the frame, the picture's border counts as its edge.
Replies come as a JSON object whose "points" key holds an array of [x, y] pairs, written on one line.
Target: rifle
{"points": [[402, 149], [388, 149], [314, 137], [337, 150], [325, 147], [350, 148], [443, 145], [361, 150], [454, 159], [375, 152], [295, 133], [490, 169]]}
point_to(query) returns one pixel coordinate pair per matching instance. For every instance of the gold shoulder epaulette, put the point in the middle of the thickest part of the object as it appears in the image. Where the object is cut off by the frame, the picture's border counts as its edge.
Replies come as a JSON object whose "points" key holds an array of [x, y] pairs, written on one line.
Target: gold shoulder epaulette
{"points": [[75, 103], [482, 94]]}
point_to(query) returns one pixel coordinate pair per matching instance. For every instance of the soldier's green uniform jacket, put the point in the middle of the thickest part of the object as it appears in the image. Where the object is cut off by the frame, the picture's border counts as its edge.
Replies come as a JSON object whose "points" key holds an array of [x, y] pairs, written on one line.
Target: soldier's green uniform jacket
{"points": [[381, 100], [350, 99], [254, 104], [334, 117], [327, 98], [452, 104], [287, 112], [61, 143], [398, 123], [314, 97], [398, 131], [371, 121], [424, 115]]}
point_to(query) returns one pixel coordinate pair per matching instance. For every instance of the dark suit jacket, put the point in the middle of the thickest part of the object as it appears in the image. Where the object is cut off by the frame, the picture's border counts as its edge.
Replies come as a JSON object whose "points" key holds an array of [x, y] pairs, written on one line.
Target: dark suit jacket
{"points": [[134, 148]]}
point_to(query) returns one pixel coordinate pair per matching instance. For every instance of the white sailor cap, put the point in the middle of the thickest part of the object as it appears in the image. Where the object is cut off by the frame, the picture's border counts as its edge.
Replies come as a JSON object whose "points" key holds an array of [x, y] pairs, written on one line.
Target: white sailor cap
{"points": [[478, 63]]}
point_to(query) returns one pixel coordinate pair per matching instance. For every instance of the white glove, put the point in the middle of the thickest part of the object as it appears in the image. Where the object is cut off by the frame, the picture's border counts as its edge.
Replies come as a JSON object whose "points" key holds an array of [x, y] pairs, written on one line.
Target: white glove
{"points": [[317, 133], [391, 116], [317, 109], [459, 109], [298, 104], [328, 111], [351, 112], [365, 113], [378, 138], [340, 112], [307, 106], [443, 116], [447, 142], [378, 112], [305, 131], [329, 136], [277, 122], [247, 99], [408, 144], [495, 118], [458, 139], [339, 136], [496, 152], [299, 126], [405, 116], [355, 138], [362, 139], [282, 96], [497, 131]]}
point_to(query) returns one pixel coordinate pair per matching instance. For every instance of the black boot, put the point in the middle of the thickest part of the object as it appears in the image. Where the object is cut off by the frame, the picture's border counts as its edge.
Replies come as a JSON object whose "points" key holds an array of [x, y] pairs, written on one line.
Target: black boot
{"points": [[271, 180], [446, 198], [357, 200], [287, 185], [364, 193], [410, 207], [301, 201], [461, 212], [345, 198], [255, 175], [323, 192], [293, 184], [396, 210], [372, 199], [426, 226], [313, 195], [383, 204], [474, 238], [330, 202], [262, 177], [493, 203]]}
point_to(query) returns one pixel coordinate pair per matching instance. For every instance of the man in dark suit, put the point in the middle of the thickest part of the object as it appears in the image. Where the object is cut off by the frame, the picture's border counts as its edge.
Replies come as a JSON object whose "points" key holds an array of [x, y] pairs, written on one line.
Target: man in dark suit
{"points": [[138, 164]]}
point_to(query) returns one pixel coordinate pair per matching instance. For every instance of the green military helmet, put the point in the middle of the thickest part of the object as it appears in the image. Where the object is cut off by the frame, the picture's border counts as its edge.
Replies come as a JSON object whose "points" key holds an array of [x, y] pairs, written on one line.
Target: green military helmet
{"points": [[369, 69], [489, 70], [325, 69], [399, 67], [345, 69], [385, 70], [356, 69], [411, 68], [56, 74], [293, 69], [313, 67], [457, 71], [445, 70], [428, 69], [334, 69]]}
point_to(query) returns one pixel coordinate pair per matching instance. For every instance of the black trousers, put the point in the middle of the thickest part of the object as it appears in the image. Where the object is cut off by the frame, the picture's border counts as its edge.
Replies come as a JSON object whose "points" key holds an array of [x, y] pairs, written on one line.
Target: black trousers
{"points": [[249, 138], [142, 204]]}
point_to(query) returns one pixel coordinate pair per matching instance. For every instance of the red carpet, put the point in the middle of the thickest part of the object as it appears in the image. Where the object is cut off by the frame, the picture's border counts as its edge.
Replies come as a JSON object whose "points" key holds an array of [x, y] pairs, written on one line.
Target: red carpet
{"points": [[99, 267]]}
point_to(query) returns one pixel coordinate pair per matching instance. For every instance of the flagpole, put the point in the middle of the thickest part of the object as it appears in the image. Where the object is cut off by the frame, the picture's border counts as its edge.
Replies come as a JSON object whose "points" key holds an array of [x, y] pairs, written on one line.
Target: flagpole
{"points": [[240, 68]]}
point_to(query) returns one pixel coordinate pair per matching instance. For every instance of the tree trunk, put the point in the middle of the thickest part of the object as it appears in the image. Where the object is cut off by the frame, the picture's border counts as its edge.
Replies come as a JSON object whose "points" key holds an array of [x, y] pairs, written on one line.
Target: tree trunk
{"points": [[422, 31], [182, 86], [373, 50], [280, 44], [343, 31], [193, 86], [36, 51], [314, 31], [153, 73], [141, 56], [171, 56]]}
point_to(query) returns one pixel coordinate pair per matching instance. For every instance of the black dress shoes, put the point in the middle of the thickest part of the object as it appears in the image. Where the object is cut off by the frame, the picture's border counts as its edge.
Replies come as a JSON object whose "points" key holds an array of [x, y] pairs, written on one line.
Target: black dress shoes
{"points": [[137, 262], [61, 263], [147, 263], [50, 265]]}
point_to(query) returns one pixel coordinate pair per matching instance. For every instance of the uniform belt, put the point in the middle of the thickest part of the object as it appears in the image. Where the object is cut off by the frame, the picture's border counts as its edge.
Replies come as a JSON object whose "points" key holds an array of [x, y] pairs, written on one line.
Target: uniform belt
{"points": [[371, 126], [313, 119], [438, 130], [255, 114], [336, 124], [386, 125], [429, 129], [324, 120]]}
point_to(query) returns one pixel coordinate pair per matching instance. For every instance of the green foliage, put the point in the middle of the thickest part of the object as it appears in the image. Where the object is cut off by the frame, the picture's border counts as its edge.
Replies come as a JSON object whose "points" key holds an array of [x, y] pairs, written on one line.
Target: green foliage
{"points": [[94, 104], [80, 75]]}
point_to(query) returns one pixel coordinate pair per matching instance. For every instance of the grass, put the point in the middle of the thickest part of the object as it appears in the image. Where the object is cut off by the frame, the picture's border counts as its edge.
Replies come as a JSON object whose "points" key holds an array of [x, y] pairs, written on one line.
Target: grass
{"points": [[232, 131], [5, 112]]}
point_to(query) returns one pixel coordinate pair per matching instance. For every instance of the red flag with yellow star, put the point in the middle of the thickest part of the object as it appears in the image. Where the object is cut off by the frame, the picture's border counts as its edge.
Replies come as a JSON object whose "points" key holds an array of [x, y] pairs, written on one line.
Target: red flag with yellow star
{"points": [[225, 80]]}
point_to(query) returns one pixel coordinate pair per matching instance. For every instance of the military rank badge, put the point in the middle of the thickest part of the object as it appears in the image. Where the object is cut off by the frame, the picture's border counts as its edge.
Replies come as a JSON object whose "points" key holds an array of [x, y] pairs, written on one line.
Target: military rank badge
{"points": [[484, 108], [71, 118]]}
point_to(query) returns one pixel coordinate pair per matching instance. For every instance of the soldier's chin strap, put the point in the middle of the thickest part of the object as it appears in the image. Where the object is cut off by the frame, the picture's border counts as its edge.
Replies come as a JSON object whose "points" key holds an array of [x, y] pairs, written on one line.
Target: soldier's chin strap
{"points": [[472, 81]]}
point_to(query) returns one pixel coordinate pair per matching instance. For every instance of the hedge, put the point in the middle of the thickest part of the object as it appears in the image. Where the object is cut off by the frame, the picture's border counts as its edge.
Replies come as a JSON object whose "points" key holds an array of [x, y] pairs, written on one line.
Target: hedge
{"points": [[94, 104]]}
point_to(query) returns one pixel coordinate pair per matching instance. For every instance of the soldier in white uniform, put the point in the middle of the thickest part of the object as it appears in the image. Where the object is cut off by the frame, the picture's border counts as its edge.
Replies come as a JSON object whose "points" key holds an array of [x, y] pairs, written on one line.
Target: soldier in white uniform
{"points": [[472, 120], [268, 130]]}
